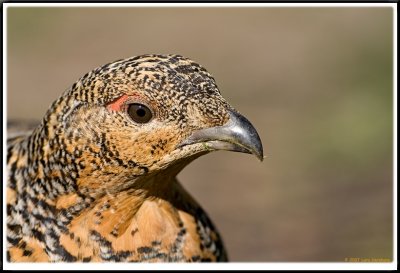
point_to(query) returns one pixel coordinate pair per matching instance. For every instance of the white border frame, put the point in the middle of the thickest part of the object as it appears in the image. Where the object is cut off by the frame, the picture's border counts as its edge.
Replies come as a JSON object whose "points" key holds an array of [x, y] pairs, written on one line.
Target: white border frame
{"points": [[206, 266]]}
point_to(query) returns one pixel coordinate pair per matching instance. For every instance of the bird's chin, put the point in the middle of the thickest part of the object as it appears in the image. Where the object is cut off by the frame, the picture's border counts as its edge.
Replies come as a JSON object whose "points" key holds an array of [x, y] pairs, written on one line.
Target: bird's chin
{"points": [[182, 156], [195, 150]]}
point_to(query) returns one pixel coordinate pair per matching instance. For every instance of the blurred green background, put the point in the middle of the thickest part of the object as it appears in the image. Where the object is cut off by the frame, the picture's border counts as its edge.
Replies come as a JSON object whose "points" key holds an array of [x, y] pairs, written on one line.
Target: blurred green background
{"points": [[315, 82]]}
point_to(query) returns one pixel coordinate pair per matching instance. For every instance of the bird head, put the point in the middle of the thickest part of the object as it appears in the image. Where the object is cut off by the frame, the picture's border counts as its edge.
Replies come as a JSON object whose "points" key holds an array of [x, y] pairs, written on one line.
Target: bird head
{"points": [[144, 114]]}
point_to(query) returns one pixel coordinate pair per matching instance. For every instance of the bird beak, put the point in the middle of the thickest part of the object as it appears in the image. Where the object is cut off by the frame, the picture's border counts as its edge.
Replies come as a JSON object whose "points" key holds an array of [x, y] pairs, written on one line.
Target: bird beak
{"points": [[237, 135]]}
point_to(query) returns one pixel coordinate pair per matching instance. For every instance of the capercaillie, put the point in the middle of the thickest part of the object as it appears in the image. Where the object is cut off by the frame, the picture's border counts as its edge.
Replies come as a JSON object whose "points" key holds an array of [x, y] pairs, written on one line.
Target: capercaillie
{"points": [[96, 179]]}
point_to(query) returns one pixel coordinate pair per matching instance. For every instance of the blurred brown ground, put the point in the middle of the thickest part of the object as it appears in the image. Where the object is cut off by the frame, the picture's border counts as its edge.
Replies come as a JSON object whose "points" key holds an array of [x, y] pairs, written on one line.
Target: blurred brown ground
{"points": [[315, 82]]}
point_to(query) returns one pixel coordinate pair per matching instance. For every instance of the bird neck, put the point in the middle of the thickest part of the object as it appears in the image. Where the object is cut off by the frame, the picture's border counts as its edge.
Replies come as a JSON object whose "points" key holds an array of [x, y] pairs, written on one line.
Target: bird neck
{"points": [[34, 166], [53, 167], [62, 186]]}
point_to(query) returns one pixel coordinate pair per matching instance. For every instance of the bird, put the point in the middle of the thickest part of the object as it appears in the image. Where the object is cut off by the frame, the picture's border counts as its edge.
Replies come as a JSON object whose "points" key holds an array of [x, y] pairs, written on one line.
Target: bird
{"points": [[95, 181]]}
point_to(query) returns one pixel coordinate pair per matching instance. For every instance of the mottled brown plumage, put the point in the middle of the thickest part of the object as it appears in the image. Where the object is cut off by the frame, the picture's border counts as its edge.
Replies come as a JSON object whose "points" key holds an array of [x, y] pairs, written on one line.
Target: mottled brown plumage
{"points": [[96, 180]]}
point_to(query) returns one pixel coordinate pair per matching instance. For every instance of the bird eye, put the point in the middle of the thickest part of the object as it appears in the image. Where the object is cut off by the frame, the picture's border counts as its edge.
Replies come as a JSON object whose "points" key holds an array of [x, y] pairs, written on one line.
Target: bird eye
{"points": [[139, 113]]}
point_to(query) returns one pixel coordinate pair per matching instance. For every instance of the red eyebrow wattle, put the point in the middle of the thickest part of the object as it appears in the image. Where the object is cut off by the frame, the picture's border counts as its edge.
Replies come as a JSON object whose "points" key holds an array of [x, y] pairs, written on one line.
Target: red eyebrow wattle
{"points": [[117, 103]]}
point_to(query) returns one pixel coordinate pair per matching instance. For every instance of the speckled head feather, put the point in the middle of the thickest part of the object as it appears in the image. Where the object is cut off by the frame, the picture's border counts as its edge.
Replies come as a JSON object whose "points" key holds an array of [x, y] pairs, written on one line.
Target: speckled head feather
{"points": [[95, 181]]}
